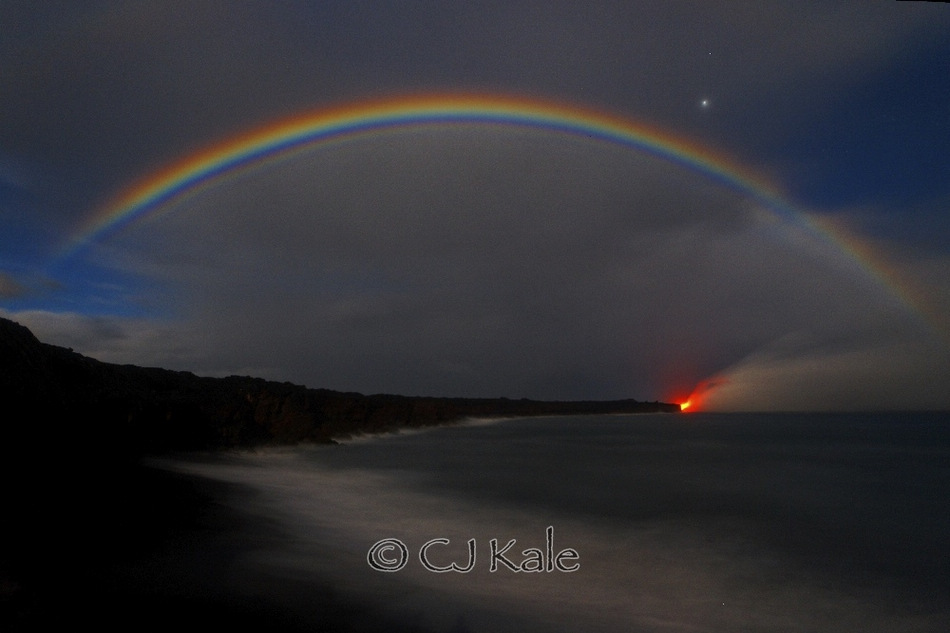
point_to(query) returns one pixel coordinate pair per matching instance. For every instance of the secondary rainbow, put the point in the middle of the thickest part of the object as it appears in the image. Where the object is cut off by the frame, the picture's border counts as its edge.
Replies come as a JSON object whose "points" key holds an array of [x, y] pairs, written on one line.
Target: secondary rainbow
{"points": [[162, 189]]}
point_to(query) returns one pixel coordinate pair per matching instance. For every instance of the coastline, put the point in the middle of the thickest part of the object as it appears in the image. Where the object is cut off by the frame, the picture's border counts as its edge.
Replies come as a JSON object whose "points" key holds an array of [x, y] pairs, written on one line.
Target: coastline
{"points": [[172, 553], [89, 531], [191, 547]]}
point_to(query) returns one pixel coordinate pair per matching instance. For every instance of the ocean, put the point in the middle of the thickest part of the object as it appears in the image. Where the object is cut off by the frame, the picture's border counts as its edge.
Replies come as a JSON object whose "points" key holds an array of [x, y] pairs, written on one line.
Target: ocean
{"points": [[673, 523]]}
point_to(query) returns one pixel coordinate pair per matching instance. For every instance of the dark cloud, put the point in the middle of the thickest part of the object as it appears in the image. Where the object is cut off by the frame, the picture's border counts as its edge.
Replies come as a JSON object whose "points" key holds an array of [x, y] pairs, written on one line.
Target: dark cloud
{"points": [[475, 260], [538, 266], [9, 288], [112, 89]]}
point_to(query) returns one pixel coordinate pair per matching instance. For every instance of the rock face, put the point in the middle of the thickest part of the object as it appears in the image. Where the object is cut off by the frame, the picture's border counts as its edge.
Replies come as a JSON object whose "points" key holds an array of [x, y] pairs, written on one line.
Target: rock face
{"points": [[75, 500], [149, 410]]}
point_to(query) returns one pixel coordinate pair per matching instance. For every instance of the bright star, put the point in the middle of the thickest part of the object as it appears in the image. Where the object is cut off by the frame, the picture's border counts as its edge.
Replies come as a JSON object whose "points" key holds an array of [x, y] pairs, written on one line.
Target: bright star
{"points": [[704, 104]]}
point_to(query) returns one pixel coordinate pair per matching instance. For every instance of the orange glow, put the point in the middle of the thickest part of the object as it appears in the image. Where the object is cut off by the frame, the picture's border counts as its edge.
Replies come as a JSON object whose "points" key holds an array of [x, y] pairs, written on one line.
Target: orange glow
{"points": [[698, 399]]}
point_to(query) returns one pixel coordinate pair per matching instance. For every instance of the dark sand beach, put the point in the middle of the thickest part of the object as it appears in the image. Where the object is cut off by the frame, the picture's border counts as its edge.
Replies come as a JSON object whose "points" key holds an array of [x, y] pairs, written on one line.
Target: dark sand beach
{"points": [[149, 550], [725, 523], [91, 535]]}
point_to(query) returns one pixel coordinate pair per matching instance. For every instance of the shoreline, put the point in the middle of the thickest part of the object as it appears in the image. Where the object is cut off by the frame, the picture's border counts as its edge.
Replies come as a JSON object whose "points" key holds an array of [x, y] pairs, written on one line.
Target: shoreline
{"points": [[185, 547], [175, 553]]}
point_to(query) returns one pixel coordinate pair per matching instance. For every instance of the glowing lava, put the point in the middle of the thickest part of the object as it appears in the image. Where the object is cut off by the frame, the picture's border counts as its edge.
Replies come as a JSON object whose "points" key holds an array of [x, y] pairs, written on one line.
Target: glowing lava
{"points": [[698, 399]]}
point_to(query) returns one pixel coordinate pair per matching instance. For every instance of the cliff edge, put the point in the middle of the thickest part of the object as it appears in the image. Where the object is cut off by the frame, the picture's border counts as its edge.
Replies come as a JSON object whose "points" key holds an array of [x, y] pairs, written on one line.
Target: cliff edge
{"points": [[76, 502], [66, 395]]}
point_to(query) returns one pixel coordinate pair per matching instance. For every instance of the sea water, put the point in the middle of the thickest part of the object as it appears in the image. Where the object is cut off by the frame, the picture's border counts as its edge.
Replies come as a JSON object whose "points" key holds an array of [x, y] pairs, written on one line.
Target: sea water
{"points": [[699, 522]]}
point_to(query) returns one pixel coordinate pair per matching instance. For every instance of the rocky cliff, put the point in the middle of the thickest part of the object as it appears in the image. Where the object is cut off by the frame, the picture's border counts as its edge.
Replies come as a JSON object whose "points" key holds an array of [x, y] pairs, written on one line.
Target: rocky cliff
{"points": [[64, 394], [75, 501]]}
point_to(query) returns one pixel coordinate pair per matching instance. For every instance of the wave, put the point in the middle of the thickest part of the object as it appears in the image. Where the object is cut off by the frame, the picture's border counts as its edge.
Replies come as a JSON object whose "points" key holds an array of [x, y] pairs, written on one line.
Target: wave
{"points": [[714, 568]]}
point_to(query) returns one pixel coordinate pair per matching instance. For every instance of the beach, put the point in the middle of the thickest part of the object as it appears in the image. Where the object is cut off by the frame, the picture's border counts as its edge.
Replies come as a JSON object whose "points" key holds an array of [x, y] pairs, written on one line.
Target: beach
{"points": [[156, 550], [595, 523]]}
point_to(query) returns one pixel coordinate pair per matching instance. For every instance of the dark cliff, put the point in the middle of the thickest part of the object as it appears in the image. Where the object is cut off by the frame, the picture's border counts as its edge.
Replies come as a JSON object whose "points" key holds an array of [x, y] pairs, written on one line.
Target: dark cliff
{"points": [[76, 502], [67, 395]]}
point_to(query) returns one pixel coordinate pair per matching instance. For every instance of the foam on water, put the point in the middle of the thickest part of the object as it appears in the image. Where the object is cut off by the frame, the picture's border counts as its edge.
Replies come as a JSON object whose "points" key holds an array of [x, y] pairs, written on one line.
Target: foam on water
{"points": [[701, 570], [383, 435]]}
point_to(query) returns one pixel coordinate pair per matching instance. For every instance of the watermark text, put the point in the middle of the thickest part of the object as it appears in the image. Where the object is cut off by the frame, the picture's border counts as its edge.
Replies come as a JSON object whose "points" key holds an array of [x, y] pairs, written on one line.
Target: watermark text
{"points": [[392, 555]]}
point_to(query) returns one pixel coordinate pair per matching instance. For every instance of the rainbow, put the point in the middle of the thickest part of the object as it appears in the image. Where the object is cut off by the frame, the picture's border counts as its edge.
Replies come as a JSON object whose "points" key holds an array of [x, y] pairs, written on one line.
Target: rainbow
{"points": [[161, 190]]}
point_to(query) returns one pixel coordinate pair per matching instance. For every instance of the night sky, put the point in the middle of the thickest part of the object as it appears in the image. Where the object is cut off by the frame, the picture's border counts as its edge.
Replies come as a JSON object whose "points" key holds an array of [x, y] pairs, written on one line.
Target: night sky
{"points": [[476, 258]]}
